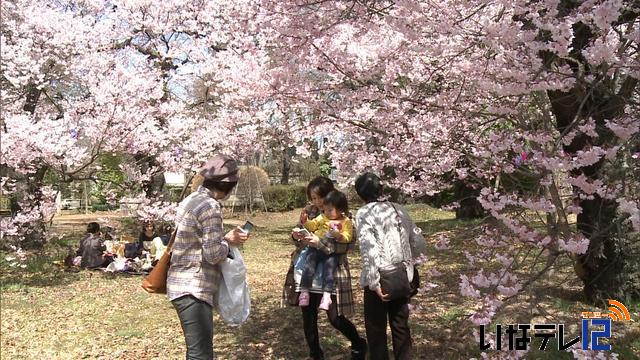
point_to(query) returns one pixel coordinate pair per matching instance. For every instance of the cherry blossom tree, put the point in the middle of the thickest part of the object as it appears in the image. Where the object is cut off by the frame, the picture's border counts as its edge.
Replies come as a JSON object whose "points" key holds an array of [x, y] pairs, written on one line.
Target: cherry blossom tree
{"points": [[497, 93], [82, 79], [532, 105]]}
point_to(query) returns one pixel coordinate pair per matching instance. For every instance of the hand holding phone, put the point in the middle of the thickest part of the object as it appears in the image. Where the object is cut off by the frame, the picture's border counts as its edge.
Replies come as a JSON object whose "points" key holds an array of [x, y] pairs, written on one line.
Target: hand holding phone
{"points": [[247, 227], [302, 232], [237, 236]]}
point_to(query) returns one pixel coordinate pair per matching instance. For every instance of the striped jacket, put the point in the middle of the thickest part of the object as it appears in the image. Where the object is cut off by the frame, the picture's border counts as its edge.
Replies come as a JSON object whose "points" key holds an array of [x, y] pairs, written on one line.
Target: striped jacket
{"points": [[386, 233], [198, 248]]}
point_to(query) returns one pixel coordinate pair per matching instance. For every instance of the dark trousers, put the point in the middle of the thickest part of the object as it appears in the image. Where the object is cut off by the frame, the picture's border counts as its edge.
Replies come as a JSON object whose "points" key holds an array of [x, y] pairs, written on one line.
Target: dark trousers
{"points": [[315, 256], [196, 318], [376, 313], [310, 324]]}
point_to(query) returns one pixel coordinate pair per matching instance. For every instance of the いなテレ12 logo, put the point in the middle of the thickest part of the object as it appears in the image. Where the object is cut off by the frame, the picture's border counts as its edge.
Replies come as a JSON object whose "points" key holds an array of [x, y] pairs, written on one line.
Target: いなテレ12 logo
{"points": [[594, 326], [618, 312]]}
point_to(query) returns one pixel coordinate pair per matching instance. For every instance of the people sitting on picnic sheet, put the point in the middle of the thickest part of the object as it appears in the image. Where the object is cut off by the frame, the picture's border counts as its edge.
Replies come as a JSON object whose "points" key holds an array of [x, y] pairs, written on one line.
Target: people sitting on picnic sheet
{"points": [[145, 238], [109, 238], [160, 242], [108, 233], [126, 258], [92, 248]]}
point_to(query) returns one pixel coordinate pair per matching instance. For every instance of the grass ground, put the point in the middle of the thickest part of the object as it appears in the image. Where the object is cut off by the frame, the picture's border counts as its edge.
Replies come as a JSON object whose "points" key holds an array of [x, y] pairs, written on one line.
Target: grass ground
{"points": [[49, 313]]}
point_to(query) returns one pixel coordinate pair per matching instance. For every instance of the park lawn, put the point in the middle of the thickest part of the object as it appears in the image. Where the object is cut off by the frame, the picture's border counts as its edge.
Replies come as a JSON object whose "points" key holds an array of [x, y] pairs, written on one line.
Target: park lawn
{"points": [[49, 313]]}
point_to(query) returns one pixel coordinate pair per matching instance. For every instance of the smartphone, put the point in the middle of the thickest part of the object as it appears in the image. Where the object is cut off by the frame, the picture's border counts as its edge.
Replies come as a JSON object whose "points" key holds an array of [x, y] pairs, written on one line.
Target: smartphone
{"points": [[302, 231], [248, 227]]}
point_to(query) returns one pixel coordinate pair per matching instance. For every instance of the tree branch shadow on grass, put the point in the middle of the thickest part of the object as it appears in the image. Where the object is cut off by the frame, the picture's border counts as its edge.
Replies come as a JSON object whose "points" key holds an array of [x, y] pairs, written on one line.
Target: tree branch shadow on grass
{"points": [[57, 277], [277, 333], [40, 271], [430, 227], [273, 332], [44, 271]]}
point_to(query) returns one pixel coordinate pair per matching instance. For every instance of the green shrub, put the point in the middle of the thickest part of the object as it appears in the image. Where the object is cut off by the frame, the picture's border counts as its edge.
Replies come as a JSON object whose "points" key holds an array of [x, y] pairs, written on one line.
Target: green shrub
{"points": [[285, 197], [101, 207]]}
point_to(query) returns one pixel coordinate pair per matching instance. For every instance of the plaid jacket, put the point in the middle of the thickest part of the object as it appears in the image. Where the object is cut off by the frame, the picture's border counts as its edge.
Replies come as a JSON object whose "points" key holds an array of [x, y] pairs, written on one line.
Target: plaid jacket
{"points": [[198, 248], [344, 291]]}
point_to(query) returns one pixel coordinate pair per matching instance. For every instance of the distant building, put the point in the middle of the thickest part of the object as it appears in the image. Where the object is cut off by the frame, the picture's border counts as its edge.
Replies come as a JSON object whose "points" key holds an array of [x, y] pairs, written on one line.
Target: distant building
{"points": [[173, 184], [172, 179]]}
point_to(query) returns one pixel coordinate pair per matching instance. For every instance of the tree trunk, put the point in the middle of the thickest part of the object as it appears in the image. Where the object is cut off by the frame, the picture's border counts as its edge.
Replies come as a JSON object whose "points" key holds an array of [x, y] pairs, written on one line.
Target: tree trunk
{"points": [[34, 234], [469, 206], [607, 269], [33, 95], [605, 261], [286, 166], [30, 185], [604, 268], [153, 187]]}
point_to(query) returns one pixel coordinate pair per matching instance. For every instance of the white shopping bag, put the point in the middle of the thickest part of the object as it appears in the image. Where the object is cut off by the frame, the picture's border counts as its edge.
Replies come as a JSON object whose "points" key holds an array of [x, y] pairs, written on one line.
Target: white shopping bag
{"points": [[234, 302]]}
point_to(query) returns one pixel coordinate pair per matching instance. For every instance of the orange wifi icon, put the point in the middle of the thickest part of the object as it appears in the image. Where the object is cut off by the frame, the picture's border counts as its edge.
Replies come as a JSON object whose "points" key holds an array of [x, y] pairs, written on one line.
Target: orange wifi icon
{"points": [[619, 312]]}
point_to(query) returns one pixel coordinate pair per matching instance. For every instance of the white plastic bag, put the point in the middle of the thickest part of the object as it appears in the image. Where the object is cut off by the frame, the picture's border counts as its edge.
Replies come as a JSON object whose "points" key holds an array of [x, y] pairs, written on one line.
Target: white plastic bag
{"points": [[118, 264], [234, 302]]}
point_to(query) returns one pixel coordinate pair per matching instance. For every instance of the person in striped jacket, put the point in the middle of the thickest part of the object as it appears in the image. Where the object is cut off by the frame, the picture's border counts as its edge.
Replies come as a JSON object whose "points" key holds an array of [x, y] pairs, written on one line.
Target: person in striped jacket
{"points": [[200, 245]]}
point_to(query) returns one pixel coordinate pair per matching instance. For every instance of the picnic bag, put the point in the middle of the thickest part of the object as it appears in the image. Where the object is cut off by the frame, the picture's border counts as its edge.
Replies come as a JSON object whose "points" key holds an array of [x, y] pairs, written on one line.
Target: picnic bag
{"points": [[289, 290], [130, 250]]}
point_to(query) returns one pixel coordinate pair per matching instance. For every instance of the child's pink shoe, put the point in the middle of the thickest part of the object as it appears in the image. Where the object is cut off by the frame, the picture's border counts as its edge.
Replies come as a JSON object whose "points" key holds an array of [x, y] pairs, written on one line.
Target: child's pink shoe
{"points": [[326, 302], [303, 300]]}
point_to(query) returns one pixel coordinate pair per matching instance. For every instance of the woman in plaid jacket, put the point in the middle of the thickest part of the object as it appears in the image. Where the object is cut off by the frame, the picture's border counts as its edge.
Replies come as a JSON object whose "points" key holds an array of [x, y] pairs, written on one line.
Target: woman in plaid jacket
{"points": [[342, 302], [200, 245]]}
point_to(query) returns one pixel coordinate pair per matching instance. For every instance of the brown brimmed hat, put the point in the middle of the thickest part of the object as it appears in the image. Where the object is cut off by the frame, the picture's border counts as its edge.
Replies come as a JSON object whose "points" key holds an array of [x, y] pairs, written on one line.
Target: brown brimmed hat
{"points": [[220, 168]]}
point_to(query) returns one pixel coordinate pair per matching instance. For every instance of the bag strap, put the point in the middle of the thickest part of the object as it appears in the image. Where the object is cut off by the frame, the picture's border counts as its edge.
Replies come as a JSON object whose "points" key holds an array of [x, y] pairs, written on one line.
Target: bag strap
{"points": [[182, 194], [399, 223], [412, 240], [171, 241]]}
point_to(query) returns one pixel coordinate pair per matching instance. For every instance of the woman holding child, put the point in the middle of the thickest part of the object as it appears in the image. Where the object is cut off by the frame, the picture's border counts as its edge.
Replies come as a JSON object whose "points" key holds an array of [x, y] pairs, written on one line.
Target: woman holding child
{"points": [[329, 227]]}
